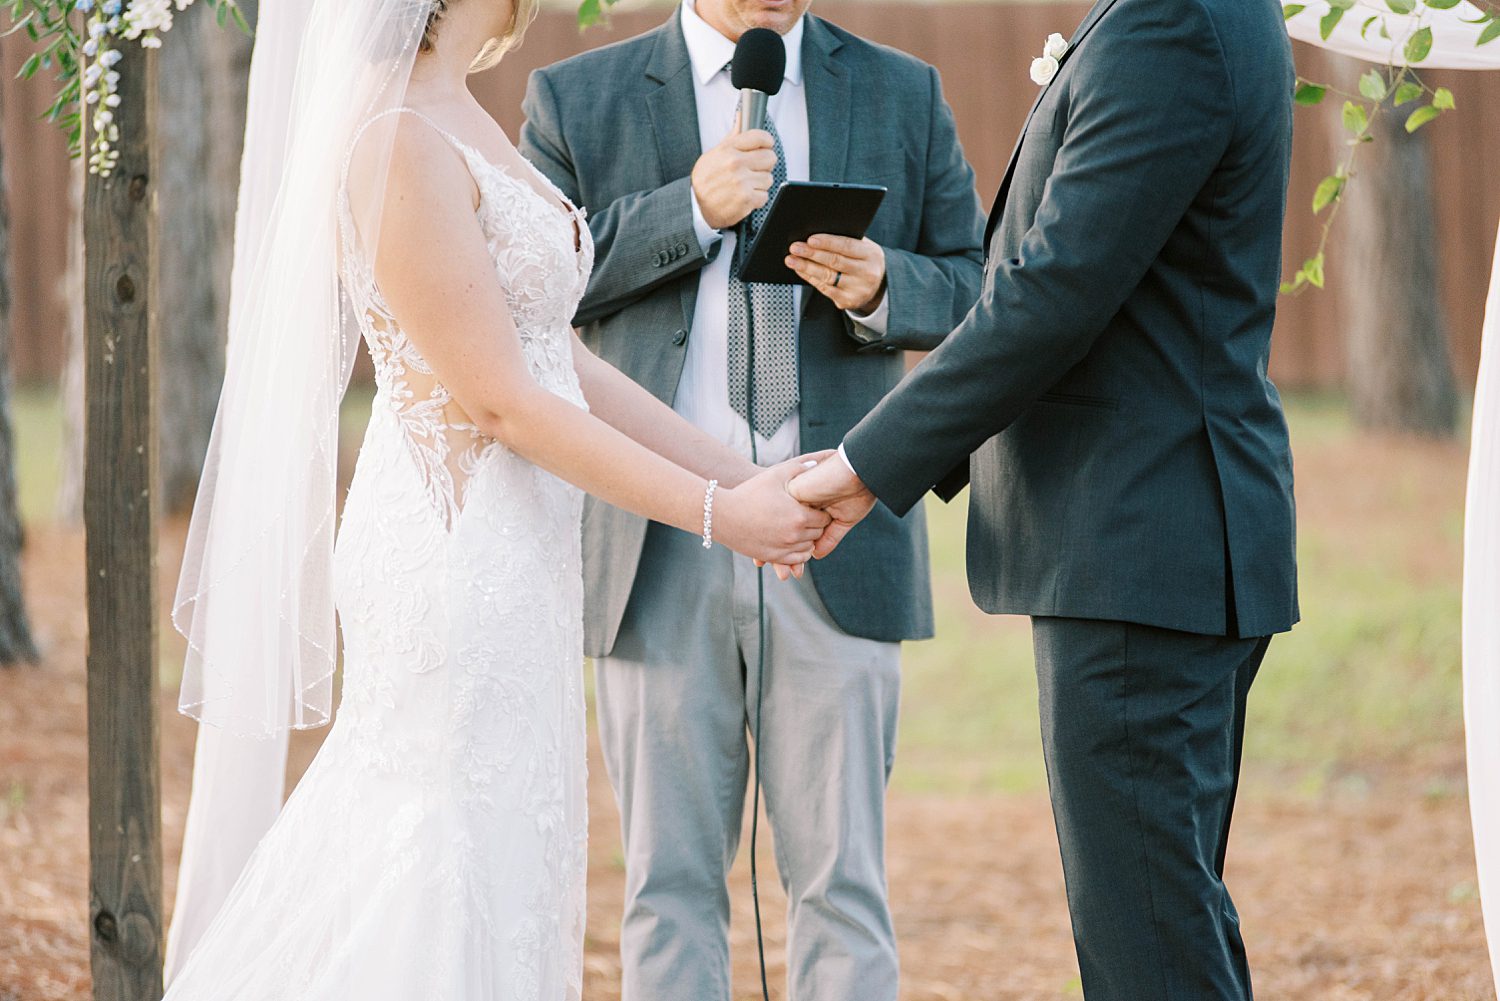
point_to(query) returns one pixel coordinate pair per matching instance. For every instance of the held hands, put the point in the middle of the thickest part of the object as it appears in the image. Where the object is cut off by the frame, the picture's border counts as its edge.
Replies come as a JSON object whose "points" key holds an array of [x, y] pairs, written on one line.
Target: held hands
{"points": [[842, 496], [733, 179], [760, 519], [849, 272]]}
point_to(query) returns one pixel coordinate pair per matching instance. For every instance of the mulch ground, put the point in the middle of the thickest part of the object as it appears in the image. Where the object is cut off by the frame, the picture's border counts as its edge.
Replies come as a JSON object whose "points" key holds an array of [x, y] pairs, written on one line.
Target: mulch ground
{"points": [[1365, 892]]}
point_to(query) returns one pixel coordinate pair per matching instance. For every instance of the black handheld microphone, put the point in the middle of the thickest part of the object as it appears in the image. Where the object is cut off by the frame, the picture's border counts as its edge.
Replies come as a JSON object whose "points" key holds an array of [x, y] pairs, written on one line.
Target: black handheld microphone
{"points": [[759, 65]]}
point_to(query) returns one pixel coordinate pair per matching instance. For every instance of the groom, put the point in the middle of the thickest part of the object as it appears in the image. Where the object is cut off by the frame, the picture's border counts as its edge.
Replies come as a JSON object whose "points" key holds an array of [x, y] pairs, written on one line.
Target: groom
{"points": [[1132, 477], [643, 133]]}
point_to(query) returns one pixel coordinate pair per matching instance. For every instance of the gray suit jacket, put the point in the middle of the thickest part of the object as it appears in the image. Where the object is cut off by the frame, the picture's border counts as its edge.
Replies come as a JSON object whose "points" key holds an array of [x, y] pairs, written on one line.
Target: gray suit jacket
{"points": [[617, 130], [1130, 456]]}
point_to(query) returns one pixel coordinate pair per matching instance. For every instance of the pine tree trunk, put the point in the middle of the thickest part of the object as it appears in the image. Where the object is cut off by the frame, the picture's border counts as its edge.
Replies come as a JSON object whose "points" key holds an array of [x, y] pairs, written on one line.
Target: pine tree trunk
{"points": [[1400, 372], [15, 632], [202, 97], [70, 487]]}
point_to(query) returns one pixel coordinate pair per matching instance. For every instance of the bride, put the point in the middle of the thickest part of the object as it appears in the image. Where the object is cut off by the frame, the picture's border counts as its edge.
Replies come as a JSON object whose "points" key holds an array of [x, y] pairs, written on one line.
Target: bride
{"points": [[436, 846]]}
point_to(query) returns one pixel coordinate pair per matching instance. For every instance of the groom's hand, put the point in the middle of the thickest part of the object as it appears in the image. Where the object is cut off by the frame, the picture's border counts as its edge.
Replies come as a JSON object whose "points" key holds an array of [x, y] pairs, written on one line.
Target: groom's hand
{"points": [[832, 486]]}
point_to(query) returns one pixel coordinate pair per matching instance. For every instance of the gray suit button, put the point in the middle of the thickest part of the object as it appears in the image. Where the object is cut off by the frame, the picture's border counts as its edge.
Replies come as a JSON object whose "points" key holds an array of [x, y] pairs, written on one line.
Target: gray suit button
{"points": [[679, 338], [682, 250], [657, 260]]}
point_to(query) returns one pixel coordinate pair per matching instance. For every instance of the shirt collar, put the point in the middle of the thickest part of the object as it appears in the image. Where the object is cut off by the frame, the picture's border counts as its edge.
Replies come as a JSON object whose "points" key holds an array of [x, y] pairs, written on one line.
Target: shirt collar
{"points": [[710, 51]]}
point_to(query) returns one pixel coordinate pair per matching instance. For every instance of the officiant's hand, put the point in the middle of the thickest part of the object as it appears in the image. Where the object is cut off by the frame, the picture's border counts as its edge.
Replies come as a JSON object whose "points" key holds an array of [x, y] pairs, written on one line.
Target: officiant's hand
{"points": [[834, 488], [760, 519], [734, 178], [849, 272]]}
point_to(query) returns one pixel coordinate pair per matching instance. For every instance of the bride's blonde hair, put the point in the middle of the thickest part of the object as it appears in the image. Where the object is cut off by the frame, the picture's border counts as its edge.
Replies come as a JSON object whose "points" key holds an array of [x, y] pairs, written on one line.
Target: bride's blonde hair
{"points": [[523, 12]]}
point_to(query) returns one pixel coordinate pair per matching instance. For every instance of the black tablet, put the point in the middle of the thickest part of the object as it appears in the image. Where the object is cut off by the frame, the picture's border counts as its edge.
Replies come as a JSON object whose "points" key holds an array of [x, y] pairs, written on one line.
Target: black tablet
{"points": [[803, 209]]}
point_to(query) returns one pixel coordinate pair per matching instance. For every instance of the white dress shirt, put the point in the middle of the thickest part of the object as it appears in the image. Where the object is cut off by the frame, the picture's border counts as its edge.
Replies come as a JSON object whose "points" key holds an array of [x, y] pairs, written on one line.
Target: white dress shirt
{"points": [[703, 392]]}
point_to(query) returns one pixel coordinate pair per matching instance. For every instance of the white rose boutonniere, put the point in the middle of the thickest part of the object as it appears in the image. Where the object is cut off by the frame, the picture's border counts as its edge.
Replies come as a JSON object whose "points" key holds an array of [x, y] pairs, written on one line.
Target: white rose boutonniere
{"points": [[1044, 68]]}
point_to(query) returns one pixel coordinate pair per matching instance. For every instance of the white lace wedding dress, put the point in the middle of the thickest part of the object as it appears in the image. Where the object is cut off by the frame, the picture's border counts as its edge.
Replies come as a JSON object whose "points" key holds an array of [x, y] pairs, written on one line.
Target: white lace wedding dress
{"points": [[436, 848]]}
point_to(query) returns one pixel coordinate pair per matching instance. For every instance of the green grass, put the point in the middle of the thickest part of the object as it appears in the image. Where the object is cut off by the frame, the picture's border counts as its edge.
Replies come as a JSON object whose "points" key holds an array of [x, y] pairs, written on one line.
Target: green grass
{"points": [[37, 413], [1370, 679]]}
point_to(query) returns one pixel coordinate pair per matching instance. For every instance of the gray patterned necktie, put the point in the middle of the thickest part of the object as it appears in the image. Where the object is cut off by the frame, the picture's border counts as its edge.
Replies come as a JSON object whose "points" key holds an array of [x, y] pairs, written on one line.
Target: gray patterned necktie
{"points": [[774, 309]]}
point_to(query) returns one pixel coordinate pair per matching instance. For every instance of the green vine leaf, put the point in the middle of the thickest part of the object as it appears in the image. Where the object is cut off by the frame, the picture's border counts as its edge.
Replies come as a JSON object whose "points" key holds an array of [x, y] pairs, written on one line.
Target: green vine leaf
{"points": [[1419, 46], [1313, 269], [1442, 99], [1421, 117], [1356, 119], [1330, 21], [1441, 4], [1373, 85], [1407, 93], [1309, 94], [592, 12], [1401, 6], [1490, 33], [1291, 10], [1329, 191]]}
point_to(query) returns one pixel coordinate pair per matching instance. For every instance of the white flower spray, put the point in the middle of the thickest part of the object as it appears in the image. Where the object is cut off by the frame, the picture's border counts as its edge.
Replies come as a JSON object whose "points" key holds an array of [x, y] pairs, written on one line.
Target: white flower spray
{"points": [[107, 25]]}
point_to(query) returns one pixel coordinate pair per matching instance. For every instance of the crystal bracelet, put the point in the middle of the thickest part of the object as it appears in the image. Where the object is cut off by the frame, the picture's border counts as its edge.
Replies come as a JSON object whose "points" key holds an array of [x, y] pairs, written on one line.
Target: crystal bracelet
{"points": [[708, 514]]}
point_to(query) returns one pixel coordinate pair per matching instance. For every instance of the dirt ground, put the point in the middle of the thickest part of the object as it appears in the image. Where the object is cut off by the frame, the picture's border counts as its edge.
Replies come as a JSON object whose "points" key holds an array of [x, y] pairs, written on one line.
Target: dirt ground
{"points": [[1365, 891]]}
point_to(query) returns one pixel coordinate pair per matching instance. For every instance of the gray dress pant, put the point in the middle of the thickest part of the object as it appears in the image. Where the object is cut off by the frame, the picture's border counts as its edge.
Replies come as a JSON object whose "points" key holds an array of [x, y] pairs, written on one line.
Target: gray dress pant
{"points": [[675, 699]]}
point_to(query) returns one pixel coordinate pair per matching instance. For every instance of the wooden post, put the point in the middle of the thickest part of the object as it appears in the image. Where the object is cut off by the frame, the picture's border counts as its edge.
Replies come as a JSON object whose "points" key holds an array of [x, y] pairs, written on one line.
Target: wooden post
{"points": [[119, 507]]}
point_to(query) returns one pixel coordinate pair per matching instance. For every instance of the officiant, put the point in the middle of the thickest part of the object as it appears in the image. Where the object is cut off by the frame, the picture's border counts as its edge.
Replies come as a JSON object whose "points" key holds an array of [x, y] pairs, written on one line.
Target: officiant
{"points": [[644, 135]]}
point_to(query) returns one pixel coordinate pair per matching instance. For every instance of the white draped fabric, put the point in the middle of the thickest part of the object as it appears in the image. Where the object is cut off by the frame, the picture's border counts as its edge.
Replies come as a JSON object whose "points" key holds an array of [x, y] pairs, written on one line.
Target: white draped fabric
{"points": [[1453, 40], [1454, 47], [1482, 622]]}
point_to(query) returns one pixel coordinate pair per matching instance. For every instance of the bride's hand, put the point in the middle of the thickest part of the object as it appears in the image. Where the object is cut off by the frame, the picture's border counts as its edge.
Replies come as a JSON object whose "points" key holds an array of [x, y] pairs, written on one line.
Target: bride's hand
{"points": [[760, 519]]}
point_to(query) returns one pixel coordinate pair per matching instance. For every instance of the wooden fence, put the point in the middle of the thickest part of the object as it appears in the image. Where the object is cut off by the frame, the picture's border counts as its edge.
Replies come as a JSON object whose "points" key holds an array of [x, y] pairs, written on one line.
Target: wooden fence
{"points": [[983, 51]]}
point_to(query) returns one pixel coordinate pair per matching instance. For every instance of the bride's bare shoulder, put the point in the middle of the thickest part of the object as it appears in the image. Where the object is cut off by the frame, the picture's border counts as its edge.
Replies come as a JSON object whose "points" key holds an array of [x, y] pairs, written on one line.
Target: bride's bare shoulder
{"points": [[423, 158], [402, 157]]}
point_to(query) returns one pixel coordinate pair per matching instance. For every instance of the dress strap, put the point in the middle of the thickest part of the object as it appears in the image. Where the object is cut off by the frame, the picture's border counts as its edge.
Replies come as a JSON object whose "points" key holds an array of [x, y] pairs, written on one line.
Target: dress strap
{"points": [[453, 140], [458, 143]]}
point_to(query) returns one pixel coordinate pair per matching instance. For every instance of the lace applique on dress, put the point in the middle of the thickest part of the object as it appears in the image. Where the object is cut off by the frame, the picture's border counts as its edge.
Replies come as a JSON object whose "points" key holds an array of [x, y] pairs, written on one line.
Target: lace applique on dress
{"points": [[543, 254]]}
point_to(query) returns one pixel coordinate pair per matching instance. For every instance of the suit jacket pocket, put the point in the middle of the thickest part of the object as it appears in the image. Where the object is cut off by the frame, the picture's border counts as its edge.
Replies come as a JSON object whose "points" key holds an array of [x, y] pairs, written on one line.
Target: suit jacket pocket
{"points": [[1080, 400]]}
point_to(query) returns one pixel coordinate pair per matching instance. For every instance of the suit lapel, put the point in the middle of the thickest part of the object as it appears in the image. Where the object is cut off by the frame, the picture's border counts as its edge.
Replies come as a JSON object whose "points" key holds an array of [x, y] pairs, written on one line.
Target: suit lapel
{"points": [[997, 210], [673, 107], [828, 92]]}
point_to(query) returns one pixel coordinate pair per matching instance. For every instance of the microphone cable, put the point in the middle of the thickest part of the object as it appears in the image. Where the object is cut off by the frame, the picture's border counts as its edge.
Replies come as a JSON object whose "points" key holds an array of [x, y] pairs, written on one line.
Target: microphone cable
{"points": [[740, 253]]}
